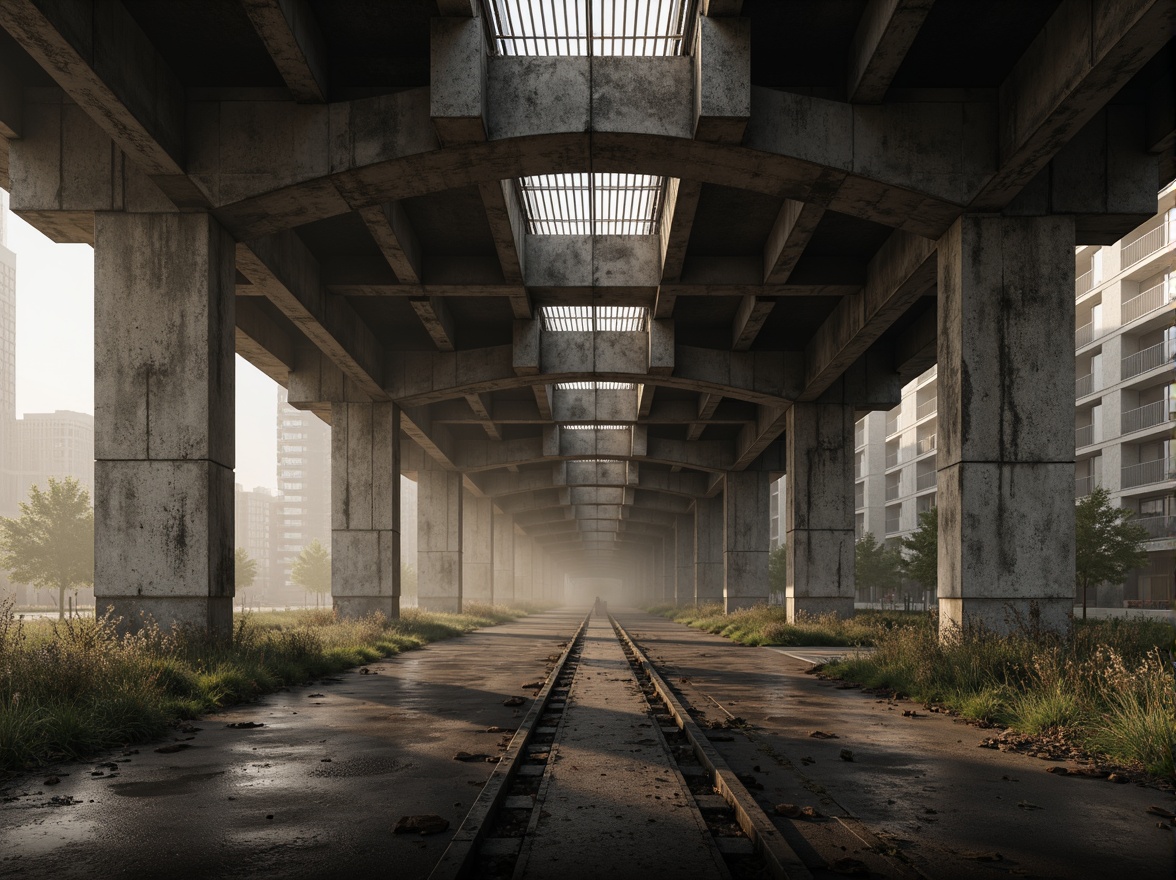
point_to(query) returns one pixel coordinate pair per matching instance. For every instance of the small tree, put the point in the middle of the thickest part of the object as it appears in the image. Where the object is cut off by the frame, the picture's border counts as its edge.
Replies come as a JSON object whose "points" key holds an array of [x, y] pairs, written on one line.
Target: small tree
{"points": [[1107, 544], [922, 551], [245, 572], [778, 569], [312, 570], [51, 544], [877, 566]]}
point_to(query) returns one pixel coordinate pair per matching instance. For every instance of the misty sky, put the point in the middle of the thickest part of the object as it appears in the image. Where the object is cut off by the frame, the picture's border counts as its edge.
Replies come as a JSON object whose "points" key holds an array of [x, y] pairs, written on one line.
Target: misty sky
{"points": [[55, 348]]}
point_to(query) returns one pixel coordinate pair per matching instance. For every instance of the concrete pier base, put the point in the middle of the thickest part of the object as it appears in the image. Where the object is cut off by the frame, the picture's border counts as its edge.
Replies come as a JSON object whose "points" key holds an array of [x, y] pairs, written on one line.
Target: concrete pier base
{"points": [[708, 550], [365, 509], [164, 420], [819, 510], [1005, 424], [746, 538], [439, 533]]}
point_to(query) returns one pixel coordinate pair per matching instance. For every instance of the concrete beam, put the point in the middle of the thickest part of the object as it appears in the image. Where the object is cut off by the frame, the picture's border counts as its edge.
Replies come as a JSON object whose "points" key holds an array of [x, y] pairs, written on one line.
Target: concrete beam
{"points": [[438, 323], [884, 36], [678, 210], [283, 269], [102, 59], [901, 272], [261, 342], [749, 320], [291, 34], [794, 226], [393, 233], [722, 79]]}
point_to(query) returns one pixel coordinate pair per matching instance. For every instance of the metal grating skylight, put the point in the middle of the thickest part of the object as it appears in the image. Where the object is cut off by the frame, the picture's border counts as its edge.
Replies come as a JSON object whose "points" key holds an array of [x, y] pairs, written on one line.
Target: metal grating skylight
{"points": [[594, 386], [589, 27], [585, 319], [600, 204], [595, 427]]}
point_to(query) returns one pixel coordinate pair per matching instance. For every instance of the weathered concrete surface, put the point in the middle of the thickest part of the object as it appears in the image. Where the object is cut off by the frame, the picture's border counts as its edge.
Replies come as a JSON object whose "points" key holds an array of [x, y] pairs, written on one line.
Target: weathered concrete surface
{"points": [[818, 519], [684, 551], [439, 533], [745, 542], [365, 508], [1006, 414], [334, 771], [614, 804], [708, 550], [920, 784], [504, 568], [164, 424], [477, 548]]}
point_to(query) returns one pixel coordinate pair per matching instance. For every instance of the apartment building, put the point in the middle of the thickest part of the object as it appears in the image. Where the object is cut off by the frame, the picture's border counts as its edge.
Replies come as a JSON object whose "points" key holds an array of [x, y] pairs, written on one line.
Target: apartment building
{"points": [[59, 444], [1125, 392], [304, 481], [255, 524]]}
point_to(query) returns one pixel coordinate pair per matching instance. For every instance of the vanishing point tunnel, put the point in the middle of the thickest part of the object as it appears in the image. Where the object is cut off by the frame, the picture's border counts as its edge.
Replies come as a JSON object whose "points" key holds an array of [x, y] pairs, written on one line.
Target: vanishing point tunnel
{"points": [[593, 273]]}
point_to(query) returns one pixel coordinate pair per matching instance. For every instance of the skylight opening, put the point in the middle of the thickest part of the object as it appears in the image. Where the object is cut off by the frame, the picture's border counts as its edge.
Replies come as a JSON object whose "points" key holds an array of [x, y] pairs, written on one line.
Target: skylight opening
{"points": [[595, 386], [596, 204], [590, 27], [585, 319], [595, 427]]}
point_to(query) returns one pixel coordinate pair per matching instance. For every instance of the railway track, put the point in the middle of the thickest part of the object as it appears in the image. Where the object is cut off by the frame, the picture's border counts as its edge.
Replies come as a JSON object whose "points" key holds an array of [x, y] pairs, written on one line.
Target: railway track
{"points": [[509, 832]]}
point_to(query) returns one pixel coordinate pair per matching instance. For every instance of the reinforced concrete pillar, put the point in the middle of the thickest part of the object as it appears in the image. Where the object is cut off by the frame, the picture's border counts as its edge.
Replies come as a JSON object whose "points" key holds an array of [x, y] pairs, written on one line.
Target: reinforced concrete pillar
{"points": [[669, 566], [538, 584], [523, 550], [709, 572], [439, 528], [818, 516], [164, 420], [747, 530], [477, 548], [504, 545], [684, 552], [365, 509], [1005, 423]]}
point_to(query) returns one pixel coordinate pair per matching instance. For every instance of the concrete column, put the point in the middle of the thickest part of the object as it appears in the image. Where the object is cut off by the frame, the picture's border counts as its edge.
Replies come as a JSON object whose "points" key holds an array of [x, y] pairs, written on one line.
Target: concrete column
{"points": [[164, 419], [745, 547], [819, 509], [669, 569], [709, 572], [523, 550], [1006, 422], [477, 548], [684, 552], [365, 509], [504, 546], [538, 584], [439, 512]]}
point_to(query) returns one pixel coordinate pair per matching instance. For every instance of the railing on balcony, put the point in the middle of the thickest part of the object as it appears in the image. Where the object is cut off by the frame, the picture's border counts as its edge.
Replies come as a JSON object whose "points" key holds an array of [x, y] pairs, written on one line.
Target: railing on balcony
{"points": [[1144, 416], [1145, 472], [1083, 335], [892, 490], [926, 408], [859, 496], [1142, 361], [1083, 486], [859, 437], [1150, 300], [1144, 246], [1084, 385], [1083, 283], [925, 480], [927, 444], [891, 459], [1158, 526], [892, 520], [891, 424], [1084, 436]]}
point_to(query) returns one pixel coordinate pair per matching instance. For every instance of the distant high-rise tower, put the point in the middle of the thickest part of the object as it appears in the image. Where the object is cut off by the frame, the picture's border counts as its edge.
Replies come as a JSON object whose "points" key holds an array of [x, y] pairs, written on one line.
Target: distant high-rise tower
{"points": [[59, 445], [304, 479], [8, 442]]}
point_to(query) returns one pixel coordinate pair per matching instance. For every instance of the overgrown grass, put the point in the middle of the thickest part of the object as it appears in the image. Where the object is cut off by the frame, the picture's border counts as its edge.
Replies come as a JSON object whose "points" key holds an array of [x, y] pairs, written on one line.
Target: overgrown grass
{"points": [[71, 688], [1109, 686], [768, 625]]}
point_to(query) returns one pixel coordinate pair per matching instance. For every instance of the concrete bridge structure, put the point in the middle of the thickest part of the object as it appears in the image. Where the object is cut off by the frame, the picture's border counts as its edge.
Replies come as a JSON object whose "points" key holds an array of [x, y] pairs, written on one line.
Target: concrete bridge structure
{"points": [[594, 293]]}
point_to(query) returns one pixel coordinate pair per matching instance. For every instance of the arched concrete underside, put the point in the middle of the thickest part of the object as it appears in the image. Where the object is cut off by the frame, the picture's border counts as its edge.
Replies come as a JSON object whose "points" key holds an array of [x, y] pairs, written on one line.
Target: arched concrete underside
{"points": [[337, 199]]}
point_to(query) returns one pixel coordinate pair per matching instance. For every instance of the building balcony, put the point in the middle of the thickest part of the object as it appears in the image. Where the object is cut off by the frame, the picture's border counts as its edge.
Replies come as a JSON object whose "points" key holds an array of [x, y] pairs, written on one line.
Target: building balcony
{"points": [[1146, 416], [926, 408], [1083, 486], [1143, 247], [925, 481], [892, 491], [1158, 527], [891, 460], [1084, 283], [1144, 361], [1145, 473], [1084, 436], [927, 444], [891, 424], [892, 522], [1151, 300]]}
